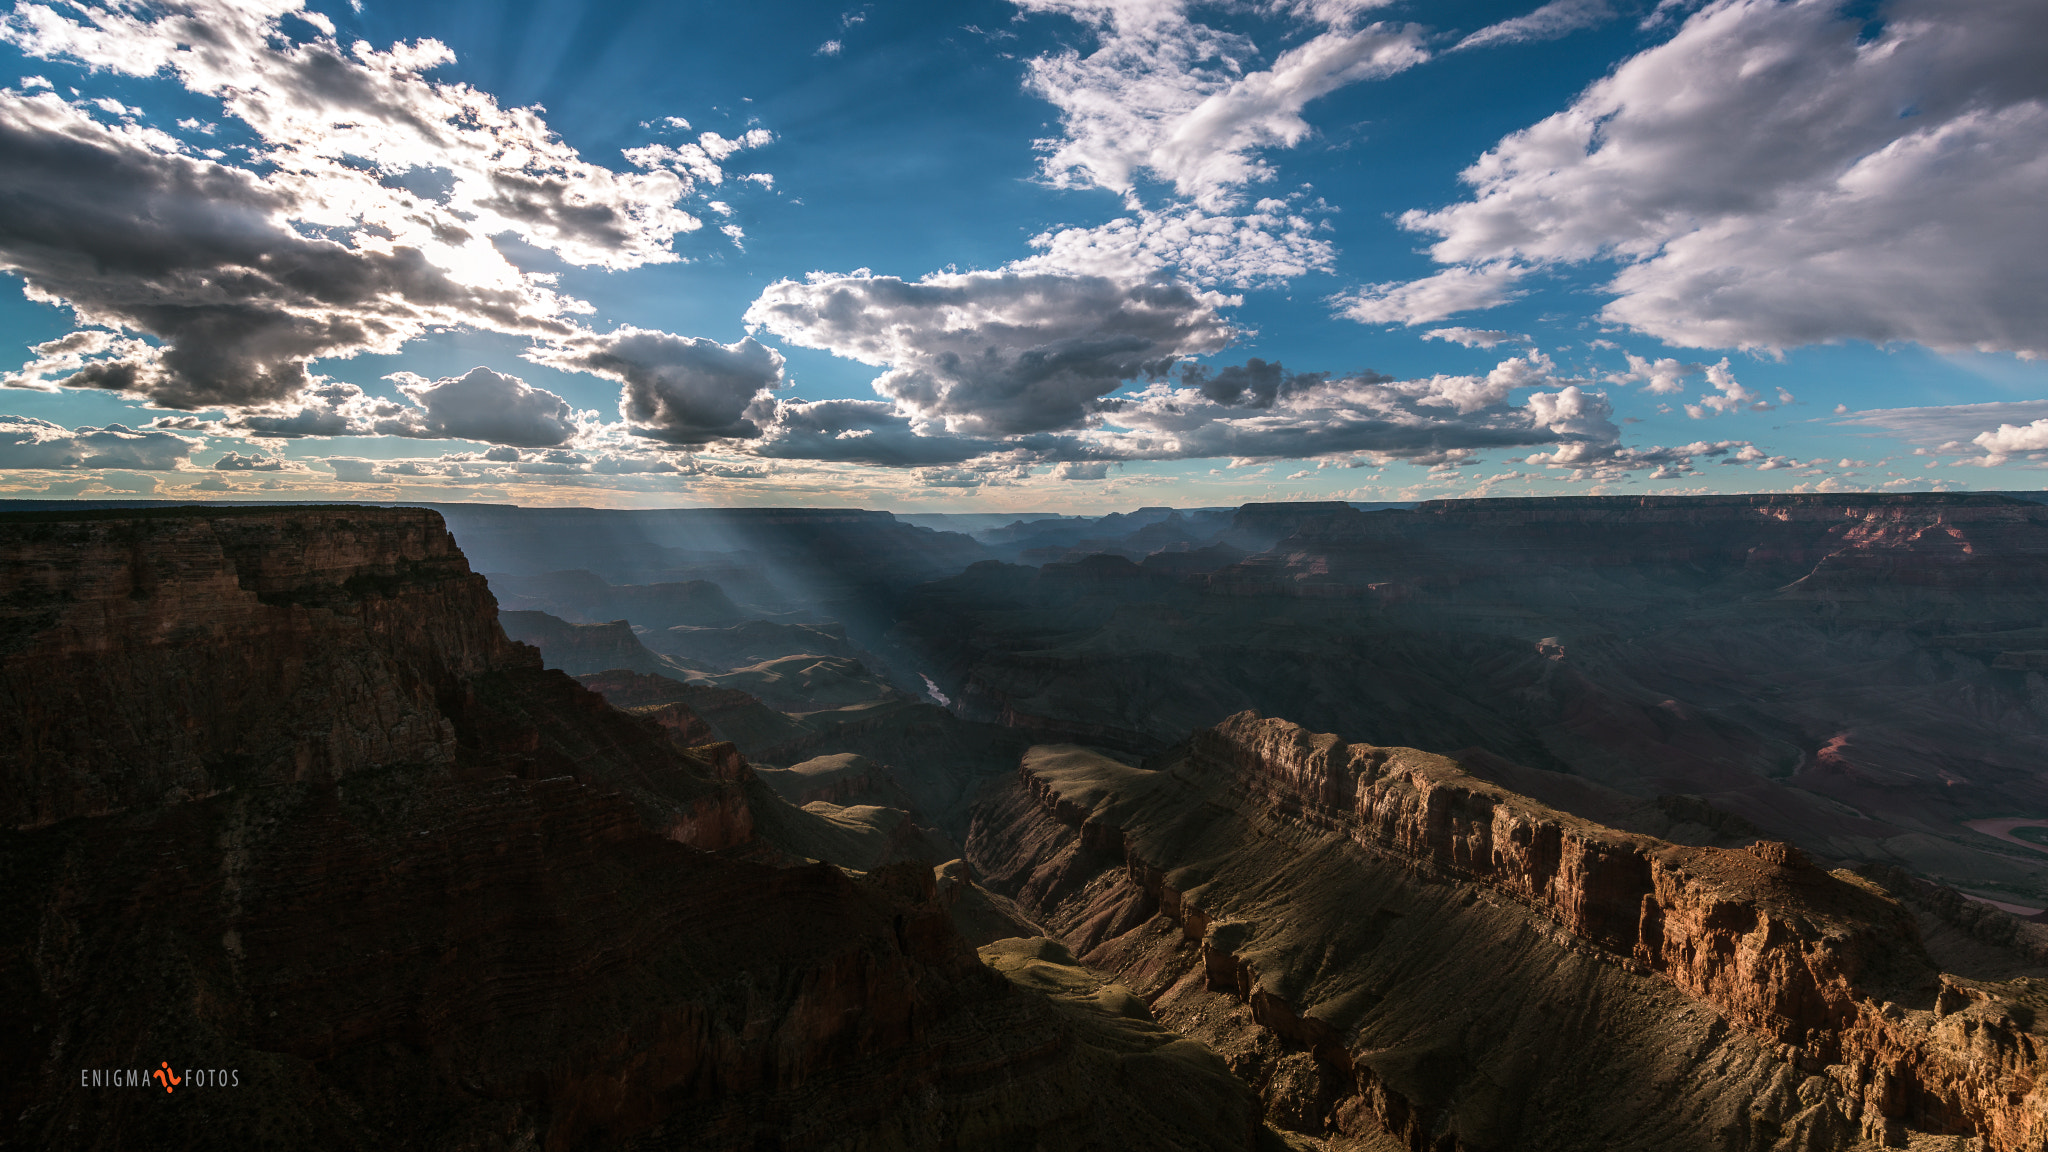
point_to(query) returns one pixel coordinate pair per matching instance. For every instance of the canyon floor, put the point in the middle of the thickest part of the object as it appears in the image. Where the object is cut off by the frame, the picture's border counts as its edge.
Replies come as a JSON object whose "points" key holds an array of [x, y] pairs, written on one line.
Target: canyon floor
{"points": [[1675, 823]]}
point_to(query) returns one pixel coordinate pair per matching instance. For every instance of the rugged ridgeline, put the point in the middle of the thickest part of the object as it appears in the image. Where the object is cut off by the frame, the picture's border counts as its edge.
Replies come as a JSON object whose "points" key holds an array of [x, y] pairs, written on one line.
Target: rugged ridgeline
{"points": [[1861, 675], [1906, 544], [1391, 949], [579, 649], [282, 799], [846, 558], [936, 759]]}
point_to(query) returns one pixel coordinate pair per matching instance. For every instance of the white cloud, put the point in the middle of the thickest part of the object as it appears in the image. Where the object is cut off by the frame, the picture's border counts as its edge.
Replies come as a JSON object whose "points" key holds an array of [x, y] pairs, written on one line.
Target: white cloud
{"points": [[2013, 439], [479, 405], [1082, 470], [484, 405], [1769, 178], [1555, 19], [611, 464], [1276, 415], [1249, 412], [1476, 337], [1431, 298], [1663, 377], [1728, 396], [236, 462], [371, 220], [1165, 95], [995, 353], [829, 48], [1269, 245], [951, 478], [26, 442]]}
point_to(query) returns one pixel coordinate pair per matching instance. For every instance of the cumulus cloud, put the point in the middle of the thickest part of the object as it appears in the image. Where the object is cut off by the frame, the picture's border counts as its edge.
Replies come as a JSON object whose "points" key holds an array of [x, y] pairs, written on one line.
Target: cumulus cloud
{"points": [[2013, 440], [1254, 411], [679, 389], [1276, 414], [1586, 460], [613, 464], [73, 353], [1553, 20], [1165, 95], [1663, 377], [1728, 396], [1476, 337], [1431, 298], [460, 467], [371, 219], [995, 353], [1271, 244], [1254, 383], [236, 462], [26, 442], [1082, 470], [951, 478], [858, 432], [1779, 174], [482, 405], [1174, 100]]}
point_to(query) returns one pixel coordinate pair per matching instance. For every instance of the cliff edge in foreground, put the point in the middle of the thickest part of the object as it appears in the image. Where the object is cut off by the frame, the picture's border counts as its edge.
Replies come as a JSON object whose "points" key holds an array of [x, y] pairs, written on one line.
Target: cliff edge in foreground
{"points": [[282, 801]]}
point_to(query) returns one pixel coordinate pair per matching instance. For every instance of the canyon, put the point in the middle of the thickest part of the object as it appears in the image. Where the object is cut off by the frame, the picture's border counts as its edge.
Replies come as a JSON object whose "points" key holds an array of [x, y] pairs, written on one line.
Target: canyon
{"points": [[1646, 823], [284, 799]]}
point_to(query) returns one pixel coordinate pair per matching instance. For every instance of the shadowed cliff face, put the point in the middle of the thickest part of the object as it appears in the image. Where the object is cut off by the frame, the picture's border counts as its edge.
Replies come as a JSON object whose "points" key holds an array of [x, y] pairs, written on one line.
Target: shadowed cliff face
{"points": [[1386, 945], [163, 657], [282, 799], [1858, 675]]}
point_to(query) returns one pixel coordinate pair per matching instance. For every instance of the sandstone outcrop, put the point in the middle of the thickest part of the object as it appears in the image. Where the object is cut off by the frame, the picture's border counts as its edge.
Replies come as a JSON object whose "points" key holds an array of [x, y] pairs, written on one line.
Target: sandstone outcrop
{"points": [[1384, 943]]}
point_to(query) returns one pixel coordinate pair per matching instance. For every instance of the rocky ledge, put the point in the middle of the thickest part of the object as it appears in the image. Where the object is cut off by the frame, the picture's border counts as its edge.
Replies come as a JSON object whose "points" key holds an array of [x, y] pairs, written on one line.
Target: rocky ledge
{"points": [[1313, 885]]}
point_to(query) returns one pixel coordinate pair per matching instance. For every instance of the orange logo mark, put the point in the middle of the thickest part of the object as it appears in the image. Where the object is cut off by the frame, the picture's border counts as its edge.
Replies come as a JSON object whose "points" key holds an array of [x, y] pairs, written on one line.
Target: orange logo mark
{"points": [[166, 1077]]}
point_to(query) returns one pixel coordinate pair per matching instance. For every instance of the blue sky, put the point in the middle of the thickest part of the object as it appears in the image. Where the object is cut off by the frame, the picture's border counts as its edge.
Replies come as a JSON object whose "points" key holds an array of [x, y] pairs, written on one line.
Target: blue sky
{"points": [[1036, 254]]}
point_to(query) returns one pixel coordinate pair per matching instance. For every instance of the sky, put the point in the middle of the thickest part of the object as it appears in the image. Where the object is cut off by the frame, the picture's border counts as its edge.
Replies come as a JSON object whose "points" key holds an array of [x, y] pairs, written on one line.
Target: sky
{"points": [[1046, 255]]}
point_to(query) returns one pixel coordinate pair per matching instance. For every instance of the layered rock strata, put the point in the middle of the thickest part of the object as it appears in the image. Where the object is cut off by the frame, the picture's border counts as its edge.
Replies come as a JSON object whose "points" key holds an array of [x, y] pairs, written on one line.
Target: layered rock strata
{"points": [[1857, 674], [284, 802], [1387, 944]]}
